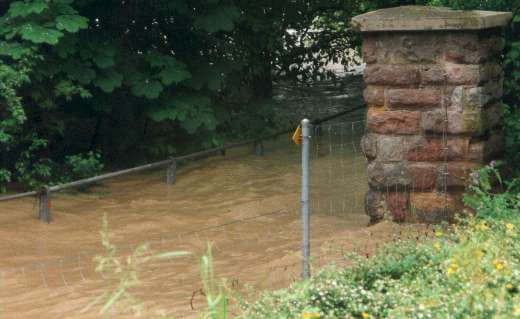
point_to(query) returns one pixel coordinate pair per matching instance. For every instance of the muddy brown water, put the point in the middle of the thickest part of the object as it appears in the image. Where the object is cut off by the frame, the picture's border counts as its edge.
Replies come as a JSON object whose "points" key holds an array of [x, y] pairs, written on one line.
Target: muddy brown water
{"points": [[247, 206]]}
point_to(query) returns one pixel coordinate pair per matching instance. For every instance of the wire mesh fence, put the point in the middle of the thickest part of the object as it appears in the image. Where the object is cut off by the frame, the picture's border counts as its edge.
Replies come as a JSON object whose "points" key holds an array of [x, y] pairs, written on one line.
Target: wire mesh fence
{"points": [[245, 204]]}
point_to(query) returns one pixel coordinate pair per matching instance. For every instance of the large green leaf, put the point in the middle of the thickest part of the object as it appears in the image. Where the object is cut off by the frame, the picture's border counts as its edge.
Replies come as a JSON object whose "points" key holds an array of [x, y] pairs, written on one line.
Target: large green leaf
{"points": [[109, 80], [13, 50], [148, 88], [71, 23], [26, 8], [38, 34], [173, 74]]}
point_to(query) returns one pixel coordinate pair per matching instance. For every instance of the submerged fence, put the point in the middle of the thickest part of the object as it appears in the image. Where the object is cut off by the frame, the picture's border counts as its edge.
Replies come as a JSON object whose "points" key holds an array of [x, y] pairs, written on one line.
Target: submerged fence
{"points": [[257, 239], [44, 193]]}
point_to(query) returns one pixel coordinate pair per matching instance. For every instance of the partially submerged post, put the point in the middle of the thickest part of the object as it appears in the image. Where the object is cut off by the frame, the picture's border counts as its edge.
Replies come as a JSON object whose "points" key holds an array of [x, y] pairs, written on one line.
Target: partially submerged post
{"points": [[305, 213], [433, 92], [171, 172], [259, 148], [44, 204]]}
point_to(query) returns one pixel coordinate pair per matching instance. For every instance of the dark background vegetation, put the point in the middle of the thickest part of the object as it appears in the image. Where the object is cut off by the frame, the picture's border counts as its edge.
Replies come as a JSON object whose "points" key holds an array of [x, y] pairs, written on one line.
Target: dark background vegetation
{"points": [[91, 84]]}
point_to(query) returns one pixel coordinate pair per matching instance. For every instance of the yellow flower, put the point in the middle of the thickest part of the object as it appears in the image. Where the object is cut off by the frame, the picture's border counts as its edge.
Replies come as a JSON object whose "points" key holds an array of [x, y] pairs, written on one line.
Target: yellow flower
{"points": [[310, 315], [365, 314], [509, 286], [498, 264], [437, 246], [452, 268], [482, 226], [438, 233], [516, 310], [510, 226]]}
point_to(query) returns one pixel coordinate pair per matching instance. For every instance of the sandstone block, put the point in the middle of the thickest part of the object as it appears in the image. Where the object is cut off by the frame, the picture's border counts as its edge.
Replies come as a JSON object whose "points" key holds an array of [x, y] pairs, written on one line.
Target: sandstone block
{"points": [[424, 176], [369, 49], [375, 206], [414, 98], [395, 203], [391, 74], [369, 145], [433, 207], [432, 74], [393, 122], [457, 173], [386, 175], [374, 95], [462, 73], [398, 204], [432, 149], [390, 148], [458, 122]]}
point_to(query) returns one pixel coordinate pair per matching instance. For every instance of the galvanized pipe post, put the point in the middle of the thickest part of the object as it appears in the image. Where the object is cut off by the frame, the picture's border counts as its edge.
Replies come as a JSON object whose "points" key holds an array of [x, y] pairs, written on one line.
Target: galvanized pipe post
{"points": [[44, 205], [259, 148], [306, 136], [171, 172]]}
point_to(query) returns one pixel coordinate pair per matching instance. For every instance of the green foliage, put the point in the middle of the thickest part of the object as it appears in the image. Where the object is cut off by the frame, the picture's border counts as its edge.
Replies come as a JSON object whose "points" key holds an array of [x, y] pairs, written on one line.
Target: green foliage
{"points": [[473, 272], [123, 273], [83, 165], [137, 80], [216, 298]]}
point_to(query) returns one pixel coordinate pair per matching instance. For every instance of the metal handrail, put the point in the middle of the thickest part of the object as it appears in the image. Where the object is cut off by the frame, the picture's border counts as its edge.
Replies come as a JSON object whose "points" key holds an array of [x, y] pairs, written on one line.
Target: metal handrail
{"points": [[164, 163]]}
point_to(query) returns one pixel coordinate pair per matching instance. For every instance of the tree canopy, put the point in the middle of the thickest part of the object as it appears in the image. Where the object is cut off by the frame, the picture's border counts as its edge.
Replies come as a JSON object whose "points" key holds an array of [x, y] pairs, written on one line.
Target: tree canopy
{"points": [[137, 79]]}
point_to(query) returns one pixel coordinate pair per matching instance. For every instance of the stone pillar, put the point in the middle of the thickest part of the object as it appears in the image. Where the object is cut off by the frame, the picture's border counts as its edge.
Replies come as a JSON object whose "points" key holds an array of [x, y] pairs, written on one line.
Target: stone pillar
{"points": [[433, 93]]}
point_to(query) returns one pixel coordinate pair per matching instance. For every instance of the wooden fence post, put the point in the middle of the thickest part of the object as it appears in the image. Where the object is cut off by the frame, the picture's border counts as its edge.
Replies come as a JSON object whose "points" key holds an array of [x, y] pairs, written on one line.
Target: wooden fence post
{"points": [[44, 205], [171, 173]]}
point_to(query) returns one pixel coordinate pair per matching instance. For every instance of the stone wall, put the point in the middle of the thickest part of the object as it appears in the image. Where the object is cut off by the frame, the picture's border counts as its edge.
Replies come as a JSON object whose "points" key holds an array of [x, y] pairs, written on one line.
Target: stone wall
{"points": [[433, 114]]}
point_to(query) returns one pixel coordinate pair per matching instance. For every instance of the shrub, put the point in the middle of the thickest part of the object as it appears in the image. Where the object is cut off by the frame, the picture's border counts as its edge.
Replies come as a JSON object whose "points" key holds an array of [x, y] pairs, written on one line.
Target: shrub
{"points": [[473, 272]]}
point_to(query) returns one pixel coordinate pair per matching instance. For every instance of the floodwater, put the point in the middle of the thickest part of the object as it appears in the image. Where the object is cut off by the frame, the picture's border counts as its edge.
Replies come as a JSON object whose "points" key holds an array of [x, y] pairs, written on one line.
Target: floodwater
{"points": [[247, 206]]}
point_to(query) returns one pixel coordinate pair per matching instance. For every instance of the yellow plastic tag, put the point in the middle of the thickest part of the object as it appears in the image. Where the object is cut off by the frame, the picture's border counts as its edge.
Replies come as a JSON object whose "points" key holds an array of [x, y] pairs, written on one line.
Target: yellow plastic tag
{"points": [[297, 136]]}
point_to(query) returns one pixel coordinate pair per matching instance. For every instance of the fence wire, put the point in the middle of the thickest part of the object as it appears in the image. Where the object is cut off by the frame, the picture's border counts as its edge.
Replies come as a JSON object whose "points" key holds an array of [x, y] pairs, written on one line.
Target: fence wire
{"points": [[246, 205]]}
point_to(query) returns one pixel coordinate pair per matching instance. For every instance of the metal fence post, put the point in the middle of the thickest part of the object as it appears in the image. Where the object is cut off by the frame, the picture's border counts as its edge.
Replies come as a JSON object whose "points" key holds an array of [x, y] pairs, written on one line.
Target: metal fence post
{"points": [[171, 172], [259, 149], [306, 129], [44, 205]]}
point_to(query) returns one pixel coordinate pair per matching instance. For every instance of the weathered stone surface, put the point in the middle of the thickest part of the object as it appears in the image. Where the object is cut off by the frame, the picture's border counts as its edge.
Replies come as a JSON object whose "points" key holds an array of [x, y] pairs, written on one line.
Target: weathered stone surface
{"points": [[390, 148], [423, 175], [462, 73], [413, 98], [458, 173], [432, 74], [469, 47], [375, 206], [369, 145], [434, 107], [391, 74], [393, 122], [458, 122], [369, 49], [433, 207], [422, 18], [374, 95], [483, 151], [395, 203], [471, 74], [385, 175], [431, 149], [398, 204], [403, 48]]}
